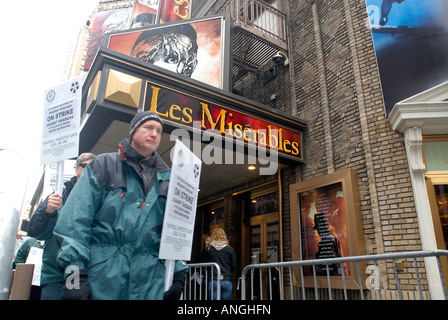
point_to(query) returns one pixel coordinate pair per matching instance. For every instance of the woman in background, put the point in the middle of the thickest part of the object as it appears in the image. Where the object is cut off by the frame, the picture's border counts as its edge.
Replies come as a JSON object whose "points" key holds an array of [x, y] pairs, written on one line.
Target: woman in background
{"points": [[218, 250]]}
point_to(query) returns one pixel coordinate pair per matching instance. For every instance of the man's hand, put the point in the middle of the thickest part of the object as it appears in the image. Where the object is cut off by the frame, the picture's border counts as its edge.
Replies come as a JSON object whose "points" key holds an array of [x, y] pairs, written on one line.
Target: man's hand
{"points": [[54, 203], [175, 292]]}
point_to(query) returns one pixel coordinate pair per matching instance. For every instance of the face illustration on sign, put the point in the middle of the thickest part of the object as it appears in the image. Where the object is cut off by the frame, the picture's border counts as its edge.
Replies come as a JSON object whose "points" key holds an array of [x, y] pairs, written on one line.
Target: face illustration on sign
{"points": [[174, 49], [194, 49]]}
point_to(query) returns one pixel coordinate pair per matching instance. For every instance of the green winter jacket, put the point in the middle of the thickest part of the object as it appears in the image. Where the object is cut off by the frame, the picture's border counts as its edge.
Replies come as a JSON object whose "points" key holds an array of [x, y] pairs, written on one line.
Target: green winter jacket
{"points": [[24, 250], [109, 227]]}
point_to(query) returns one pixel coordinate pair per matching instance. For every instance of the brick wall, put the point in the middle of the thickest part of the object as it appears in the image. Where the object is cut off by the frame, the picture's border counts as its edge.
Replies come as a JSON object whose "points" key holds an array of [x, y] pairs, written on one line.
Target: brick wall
{"points": [[337, 90], [336, 87], [347, 105]]}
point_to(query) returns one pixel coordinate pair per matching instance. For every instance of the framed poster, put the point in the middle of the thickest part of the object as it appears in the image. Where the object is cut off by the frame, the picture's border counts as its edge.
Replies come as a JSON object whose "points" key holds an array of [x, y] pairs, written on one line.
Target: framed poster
{"points": [[326, 223]]}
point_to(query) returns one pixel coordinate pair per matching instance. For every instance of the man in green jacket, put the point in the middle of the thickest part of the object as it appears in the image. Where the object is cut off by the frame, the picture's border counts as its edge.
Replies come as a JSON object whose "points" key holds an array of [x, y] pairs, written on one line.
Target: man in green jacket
{"points": [[110, 227]]}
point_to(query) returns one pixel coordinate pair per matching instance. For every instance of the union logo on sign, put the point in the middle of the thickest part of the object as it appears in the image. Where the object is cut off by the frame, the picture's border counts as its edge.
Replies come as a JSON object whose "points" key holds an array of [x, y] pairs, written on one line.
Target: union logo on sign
{"points": [[196, 171], [74, 87]]}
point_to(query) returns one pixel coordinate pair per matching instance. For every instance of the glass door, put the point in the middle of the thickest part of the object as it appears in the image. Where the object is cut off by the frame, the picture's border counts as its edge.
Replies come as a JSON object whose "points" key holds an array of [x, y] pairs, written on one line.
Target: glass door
{"points": [[438, 199], [435, 155], [441, 194], [255, 244], [262, 240], [264, 248]]}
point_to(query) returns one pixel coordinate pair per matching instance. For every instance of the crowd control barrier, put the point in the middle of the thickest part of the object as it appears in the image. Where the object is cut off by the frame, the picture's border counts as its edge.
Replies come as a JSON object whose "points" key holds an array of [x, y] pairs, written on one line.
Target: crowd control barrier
{"points": [[403, 270], [198, 278]]}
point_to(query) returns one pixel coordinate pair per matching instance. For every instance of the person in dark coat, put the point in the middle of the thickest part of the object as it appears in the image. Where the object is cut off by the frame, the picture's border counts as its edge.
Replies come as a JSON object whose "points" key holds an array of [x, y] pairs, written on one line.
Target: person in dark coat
{"points": [[218, 250], [41, 227]]}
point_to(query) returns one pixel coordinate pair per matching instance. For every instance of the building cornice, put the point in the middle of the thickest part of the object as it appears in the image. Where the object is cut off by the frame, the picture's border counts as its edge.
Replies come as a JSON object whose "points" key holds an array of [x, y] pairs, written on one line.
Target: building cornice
{"points": [[427, 110]]}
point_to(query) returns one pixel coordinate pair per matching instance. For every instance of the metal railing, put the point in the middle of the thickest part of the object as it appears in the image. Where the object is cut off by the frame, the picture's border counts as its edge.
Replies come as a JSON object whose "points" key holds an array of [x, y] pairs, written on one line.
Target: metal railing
{"points": [[268, 284], [259, 15], [199, 276]]}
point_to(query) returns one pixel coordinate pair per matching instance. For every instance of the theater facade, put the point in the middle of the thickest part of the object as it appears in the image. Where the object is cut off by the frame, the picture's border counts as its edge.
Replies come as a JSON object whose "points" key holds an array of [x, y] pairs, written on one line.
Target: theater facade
{"points": [[296, 146]]}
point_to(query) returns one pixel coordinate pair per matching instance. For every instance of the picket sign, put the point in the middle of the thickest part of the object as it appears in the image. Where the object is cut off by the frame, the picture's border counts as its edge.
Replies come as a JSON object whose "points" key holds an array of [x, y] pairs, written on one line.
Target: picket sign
{"points": [[61, 122], [180, 212]]}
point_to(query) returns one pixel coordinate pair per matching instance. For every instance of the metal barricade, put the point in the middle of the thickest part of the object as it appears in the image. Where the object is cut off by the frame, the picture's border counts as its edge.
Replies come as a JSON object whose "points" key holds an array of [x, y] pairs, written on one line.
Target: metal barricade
{"points": [[265, 286], [199, 276]]}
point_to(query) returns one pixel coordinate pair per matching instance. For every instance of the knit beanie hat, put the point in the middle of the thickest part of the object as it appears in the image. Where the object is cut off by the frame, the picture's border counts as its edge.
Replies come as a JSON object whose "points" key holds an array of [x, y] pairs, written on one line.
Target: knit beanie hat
{"points": [[140, 118]]}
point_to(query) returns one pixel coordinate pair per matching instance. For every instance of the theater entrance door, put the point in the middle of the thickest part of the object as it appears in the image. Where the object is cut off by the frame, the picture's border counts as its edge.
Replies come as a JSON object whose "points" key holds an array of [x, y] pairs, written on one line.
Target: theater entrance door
{"points": [[264, 248]]}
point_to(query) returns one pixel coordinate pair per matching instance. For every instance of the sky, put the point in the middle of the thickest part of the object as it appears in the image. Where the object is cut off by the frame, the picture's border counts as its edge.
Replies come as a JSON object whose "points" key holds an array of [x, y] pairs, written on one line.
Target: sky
{"points": [[36, 37]]}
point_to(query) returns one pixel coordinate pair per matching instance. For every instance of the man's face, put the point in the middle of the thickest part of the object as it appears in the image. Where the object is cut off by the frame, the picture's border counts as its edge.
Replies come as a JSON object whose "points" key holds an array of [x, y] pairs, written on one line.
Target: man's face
{"points": [[146, 138], [79, 169]]}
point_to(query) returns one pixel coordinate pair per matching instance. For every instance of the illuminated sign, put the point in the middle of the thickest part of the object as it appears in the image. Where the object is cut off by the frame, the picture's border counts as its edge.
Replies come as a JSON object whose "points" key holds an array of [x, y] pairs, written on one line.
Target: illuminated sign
{"points": [[185, 110], [220, 127], [174, 10]]}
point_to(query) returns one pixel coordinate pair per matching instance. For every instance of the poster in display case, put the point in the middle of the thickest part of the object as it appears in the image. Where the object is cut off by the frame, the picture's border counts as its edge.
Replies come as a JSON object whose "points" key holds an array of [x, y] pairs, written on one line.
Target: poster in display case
{"points": [[326, 223]]}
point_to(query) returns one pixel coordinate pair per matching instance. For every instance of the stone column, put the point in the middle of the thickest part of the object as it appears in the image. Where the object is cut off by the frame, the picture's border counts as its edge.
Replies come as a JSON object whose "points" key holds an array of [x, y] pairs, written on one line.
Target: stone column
{"points": [[413, 140]]}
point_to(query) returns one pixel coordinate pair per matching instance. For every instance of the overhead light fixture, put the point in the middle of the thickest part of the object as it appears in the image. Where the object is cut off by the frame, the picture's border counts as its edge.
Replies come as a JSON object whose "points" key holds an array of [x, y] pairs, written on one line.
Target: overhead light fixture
{"points": [[251, 167]]}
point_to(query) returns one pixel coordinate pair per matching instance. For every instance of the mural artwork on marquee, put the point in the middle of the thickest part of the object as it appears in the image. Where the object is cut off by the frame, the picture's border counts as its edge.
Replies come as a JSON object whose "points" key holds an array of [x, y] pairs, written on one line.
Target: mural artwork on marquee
{"points": [[106, 22], [194, 48]]}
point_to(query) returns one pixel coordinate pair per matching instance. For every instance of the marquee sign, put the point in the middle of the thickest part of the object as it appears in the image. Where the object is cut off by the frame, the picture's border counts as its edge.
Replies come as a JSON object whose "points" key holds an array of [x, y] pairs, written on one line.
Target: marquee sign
{"points": [[184, 110], [222, 122]]}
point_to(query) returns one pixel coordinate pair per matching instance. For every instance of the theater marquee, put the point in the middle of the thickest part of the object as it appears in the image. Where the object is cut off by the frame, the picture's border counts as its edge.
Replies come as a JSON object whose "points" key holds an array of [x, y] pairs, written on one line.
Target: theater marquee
{"points": [[119, 86], [185, 110]]}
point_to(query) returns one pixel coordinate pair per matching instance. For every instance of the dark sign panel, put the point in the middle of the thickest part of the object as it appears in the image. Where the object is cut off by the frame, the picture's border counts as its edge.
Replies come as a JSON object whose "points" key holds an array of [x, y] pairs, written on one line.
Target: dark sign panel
{"points": [[194, 113], [195, 48], [411, 44]]}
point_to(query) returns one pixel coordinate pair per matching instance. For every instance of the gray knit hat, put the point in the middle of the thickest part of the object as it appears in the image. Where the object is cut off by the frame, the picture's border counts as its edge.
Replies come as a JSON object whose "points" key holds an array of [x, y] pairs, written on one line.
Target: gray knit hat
{"points": [[140, 118]]}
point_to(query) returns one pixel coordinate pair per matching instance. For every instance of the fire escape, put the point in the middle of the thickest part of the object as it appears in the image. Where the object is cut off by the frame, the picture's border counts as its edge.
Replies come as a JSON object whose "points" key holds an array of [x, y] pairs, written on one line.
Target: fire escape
{"points": [[259, 33]]}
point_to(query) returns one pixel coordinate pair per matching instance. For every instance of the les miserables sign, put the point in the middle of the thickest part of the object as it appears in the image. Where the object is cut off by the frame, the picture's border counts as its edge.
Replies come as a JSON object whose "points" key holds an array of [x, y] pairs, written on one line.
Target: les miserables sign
{"points": [[185, 110]]}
